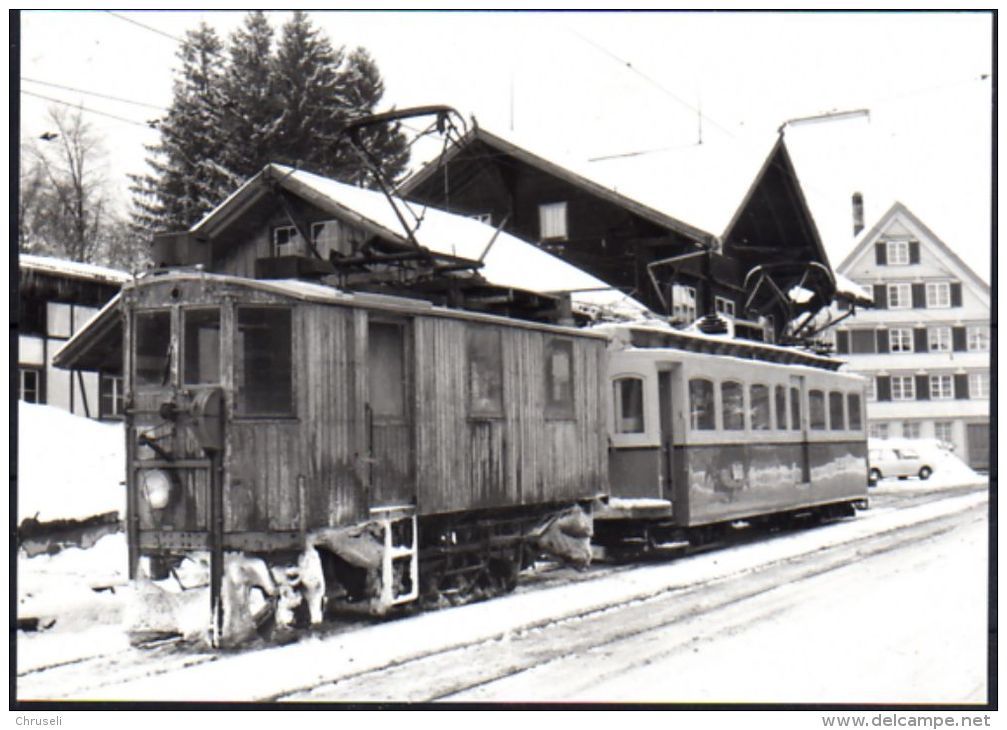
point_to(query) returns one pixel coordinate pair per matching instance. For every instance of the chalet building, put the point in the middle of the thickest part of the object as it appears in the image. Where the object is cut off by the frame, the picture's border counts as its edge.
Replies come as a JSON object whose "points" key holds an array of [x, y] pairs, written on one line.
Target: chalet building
{"points": [[56, 298], [925, 346], [747, 244]]}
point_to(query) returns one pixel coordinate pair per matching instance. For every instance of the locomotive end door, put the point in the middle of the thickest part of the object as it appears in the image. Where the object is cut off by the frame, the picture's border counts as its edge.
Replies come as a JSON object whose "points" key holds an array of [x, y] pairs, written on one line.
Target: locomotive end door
{"points": [[389, 411]]}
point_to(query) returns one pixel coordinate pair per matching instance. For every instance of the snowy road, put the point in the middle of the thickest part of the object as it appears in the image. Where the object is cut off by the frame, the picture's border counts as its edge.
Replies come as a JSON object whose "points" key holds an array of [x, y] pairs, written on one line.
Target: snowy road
{"points": [[889, 607]]}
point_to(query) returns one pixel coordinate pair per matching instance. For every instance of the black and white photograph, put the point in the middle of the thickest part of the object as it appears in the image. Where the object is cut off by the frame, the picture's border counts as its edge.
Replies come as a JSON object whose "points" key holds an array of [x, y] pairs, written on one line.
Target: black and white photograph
{"points": [[504, 359]]}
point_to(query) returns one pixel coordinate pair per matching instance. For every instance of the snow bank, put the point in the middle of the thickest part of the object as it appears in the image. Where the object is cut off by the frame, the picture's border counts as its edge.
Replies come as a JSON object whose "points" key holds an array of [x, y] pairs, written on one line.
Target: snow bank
{"points": [[69, 467], [949, 470]]}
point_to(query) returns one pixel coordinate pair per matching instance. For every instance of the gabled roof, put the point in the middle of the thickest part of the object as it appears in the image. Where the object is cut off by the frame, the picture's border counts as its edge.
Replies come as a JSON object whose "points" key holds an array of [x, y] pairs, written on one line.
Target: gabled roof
{"points": [[572, 172], [507, 261], [699, 190], [869, 237]]}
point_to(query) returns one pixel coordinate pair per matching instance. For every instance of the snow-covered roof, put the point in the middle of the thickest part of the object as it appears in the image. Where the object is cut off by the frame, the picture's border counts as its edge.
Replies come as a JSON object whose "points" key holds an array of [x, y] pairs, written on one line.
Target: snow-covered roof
{"points": [[73, 269], [507, 260], [851, 289], [696, 188]]}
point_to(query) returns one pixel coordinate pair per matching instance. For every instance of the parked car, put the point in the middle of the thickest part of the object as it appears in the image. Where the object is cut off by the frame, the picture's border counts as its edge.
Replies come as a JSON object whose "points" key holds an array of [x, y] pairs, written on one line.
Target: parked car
{"points": [[897, 462]]}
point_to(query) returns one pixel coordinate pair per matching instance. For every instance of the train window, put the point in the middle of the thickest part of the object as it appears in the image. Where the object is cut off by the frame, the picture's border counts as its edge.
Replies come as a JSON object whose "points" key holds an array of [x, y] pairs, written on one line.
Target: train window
{"points": [[263, 367], [781, 407], [701, 412], [628, 399], [386, 343], [559, 379], [836, 420], [816, 409], [485, 372], [153, 348], [853, 409], [732, 397], [758, 396], [795, 409], [201, 346]]}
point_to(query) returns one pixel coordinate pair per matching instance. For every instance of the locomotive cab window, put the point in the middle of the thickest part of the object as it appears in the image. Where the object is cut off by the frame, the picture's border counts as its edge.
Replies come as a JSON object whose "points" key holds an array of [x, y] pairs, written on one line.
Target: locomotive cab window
{"points": [[263, 368], [701, 413], [759, 411], [559, 379], [628, 400], [201, 346], [485, 373], [816, 410], [732, 396], [153, 348]]}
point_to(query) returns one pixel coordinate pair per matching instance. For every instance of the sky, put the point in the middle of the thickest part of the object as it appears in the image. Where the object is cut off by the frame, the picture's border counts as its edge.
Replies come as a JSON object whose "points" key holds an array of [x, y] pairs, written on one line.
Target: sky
{"points": [[582, 85]]}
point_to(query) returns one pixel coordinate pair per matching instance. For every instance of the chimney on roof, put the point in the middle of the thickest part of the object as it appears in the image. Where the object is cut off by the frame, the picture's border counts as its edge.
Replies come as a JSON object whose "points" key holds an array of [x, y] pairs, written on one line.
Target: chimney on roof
{"points": [[858, 214]]}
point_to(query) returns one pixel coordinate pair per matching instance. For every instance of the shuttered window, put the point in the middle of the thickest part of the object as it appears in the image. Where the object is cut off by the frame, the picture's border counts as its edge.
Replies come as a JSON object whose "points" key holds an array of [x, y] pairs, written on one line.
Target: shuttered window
{"points": [[941, 387], [938, 295], [900, 296], [978, 338], [903, 387], [863, 342], [900, 339], [898, 253], [979, 385], [939, 339], [795, 409]]}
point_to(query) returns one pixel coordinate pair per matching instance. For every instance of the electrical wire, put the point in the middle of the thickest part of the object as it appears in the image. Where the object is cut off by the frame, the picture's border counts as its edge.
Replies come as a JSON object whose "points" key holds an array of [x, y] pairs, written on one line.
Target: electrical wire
{"points": [[94, 93], [145, 125], [652, 82]]}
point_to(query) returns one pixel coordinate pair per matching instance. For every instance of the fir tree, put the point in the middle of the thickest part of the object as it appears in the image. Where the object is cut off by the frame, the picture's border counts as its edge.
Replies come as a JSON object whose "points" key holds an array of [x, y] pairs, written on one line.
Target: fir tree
{"points": [[188, 174], [234, 113]]}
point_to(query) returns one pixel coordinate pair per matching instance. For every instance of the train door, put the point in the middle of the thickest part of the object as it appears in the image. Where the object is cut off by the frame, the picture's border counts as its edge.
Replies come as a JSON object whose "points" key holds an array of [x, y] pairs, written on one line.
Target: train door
{"points": [[799, 422], [665, 401], [389, 412]]}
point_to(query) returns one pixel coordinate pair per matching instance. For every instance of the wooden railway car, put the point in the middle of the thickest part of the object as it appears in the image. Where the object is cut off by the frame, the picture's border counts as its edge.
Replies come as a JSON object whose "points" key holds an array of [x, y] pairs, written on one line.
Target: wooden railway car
{"points": [[706, 430], [374, 449]]}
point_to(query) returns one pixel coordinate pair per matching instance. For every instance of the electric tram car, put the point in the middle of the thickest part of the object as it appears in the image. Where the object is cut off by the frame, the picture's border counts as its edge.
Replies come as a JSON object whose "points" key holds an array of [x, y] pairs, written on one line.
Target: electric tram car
{"points": [[321, 449], [706, 431]]}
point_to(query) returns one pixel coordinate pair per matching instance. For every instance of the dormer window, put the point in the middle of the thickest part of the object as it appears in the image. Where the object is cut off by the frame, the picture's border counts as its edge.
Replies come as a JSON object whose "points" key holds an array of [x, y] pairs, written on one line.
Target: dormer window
{"points": [[552, 221], [287, 241]]}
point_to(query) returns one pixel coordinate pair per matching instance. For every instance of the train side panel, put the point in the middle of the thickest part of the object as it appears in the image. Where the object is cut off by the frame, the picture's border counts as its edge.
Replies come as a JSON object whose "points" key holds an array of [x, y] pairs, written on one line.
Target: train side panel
{"points": [[501, 446]]}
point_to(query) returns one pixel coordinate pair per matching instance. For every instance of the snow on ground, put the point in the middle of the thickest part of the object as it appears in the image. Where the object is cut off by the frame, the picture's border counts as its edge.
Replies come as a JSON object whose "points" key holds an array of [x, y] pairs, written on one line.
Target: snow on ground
{"points": [[60, 589], [266, 673], [69, 467], [949, 470]]}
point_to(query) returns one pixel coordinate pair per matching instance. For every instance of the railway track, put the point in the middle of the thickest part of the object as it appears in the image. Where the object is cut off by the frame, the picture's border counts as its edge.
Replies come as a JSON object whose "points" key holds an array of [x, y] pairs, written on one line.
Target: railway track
{"points": [[459, 672], [90, 675]]}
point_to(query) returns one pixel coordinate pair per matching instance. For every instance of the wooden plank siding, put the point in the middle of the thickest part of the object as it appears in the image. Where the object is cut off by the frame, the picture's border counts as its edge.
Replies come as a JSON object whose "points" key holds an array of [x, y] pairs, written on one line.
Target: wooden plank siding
{"points": [[316, 467], [520, 458]]}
